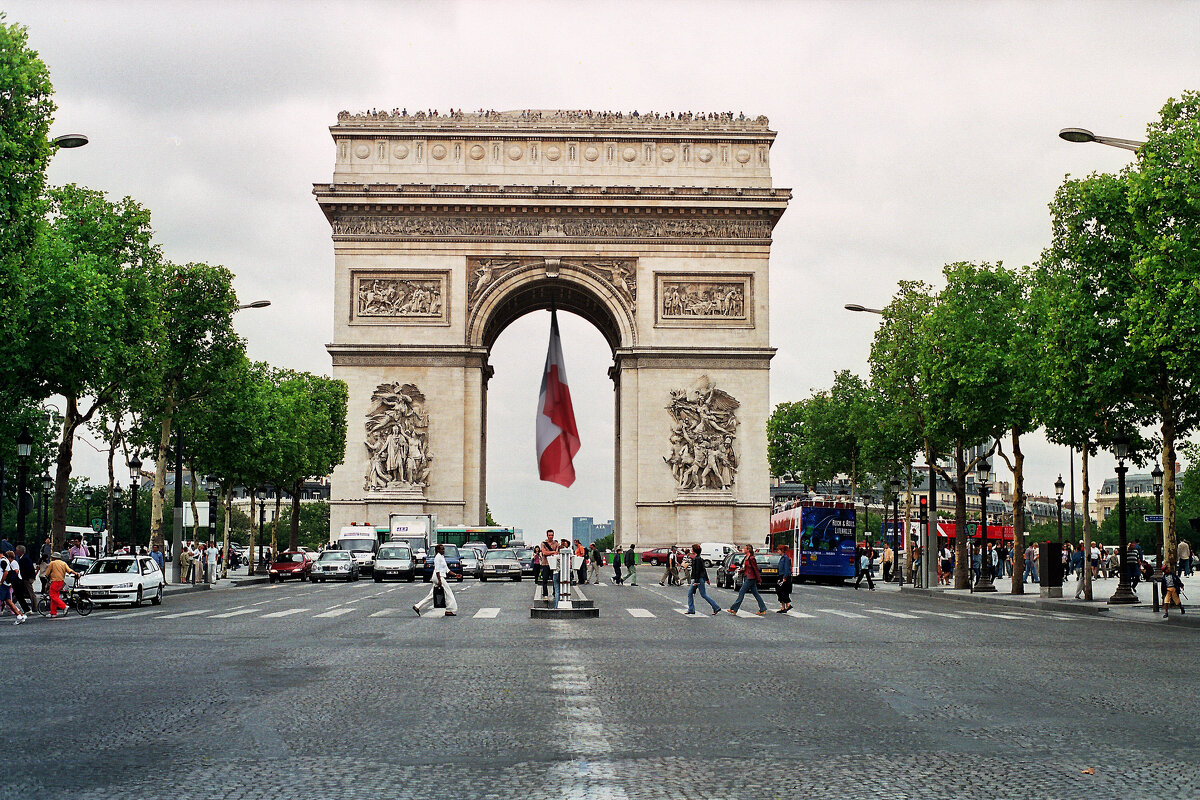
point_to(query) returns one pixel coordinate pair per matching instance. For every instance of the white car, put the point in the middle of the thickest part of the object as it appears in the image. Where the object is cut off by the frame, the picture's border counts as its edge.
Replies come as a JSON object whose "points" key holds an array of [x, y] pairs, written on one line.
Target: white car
{"points": [[123, 579]]}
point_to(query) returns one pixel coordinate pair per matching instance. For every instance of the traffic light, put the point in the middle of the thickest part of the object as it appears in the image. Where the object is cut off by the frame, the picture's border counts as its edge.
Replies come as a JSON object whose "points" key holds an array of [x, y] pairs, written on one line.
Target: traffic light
{"points": [[924, 508]]}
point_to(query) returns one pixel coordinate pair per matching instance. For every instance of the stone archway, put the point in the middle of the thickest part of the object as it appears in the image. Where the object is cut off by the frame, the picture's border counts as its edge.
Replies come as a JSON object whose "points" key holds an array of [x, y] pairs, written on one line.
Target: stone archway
{"points": [[657, 231]]}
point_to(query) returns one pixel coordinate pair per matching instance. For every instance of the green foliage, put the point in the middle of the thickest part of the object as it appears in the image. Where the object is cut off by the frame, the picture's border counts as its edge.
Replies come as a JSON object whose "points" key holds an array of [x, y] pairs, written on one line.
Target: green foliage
{"points": [[313, 526], [1136, 528], [487, 516], [606, 542]]}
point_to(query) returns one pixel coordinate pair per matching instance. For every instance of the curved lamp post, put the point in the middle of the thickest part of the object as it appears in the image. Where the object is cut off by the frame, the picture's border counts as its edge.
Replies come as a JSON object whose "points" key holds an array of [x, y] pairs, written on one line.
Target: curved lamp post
{"points": [[135, 473], [1124, 594], [986, 582], [1084, 135]]}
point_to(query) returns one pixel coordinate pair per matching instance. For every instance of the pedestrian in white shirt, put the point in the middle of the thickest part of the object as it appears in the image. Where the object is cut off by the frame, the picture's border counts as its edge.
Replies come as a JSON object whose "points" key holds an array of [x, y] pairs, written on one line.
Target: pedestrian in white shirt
{"points": [[211, 559], [440, 571]]}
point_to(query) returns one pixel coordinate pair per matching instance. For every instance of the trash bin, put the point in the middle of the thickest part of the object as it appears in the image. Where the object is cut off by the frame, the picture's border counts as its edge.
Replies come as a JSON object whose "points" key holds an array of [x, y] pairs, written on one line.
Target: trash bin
{"points": [[1050, 568]]}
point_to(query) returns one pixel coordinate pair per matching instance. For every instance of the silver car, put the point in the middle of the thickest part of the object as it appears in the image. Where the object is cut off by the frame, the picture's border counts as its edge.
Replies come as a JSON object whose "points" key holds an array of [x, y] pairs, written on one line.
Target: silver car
{"points": [[394, 560], [472, 563], [501, 565]]}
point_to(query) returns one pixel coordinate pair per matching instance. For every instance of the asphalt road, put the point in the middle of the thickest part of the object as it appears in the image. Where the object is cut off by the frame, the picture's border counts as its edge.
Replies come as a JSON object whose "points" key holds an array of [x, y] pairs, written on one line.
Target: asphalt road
{"points": [[340, 691]]}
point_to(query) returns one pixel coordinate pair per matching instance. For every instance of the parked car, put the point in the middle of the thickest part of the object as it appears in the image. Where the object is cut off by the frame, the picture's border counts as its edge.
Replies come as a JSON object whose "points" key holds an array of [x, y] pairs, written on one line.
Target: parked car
{"points": [[123, 579], [472, 563], [714, 553], [394, 560], [335, 565], [525, 556], [727, 571], [290, 564], [657, 557], [309, 553], [501, 565], [453, 561]]}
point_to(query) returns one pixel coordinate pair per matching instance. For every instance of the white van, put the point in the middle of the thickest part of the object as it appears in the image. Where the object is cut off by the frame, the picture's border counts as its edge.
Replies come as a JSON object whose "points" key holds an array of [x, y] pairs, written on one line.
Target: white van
{"points": [[362, 542], [713, 553]]}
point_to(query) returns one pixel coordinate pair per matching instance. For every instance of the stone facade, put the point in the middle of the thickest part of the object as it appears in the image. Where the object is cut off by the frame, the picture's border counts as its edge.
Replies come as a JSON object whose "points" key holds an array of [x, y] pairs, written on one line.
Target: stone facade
{"points": [[658, 231]]}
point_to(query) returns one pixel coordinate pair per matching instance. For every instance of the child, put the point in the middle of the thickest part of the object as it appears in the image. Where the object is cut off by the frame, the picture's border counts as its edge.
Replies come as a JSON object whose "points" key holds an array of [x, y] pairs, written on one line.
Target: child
{"points": [[1171, 586]]}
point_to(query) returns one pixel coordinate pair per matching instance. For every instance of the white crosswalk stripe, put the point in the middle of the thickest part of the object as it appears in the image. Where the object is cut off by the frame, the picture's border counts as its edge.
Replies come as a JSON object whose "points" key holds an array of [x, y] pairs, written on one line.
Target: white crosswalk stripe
{"points": [[185, 614], [938, 614], [487, 613], [336, 612], [235, 613], [387, 611], [801, 615], [847, 614], [890, 613], [640, 613], [994, 615], [285, 613]]}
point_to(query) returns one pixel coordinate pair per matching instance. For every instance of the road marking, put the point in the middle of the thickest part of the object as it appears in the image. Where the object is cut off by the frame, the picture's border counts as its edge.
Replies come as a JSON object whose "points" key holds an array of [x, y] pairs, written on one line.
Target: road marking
{"points": [[994, 615], [387, 611], [938, 613], [849, 614], [337, 612], [487, 613], [236, 613], [640, 613], [801, 615], [890, 613], [285, 613], [185, 614], [136, 614], [684, 611]]}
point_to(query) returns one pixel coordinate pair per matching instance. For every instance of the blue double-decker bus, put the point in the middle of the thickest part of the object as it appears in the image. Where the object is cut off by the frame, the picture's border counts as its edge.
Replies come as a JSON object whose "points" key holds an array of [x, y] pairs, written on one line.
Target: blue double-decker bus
{"points": [[819, 536]]}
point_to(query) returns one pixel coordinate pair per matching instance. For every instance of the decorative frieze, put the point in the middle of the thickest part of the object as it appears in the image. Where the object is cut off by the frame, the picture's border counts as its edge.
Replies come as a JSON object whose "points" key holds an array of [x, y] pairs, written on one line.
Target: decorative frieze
{"points": [[703, 432], [418, 226], [398, 297], [721, 299]]}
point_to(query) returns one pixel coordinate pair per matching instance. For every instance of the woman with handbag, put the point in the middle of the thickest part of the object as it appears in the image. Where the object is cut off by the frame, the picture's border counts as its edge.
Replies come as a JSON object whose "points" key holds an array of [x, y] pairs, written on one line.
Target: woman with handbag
{"points": [[783, 589]]}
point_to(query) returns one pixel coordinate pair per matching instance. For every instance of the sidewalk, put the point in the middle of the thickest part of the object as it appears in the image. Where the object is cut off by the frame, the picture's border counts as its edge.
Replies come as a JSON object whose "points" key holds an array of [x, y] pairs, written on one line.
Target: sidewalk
{"points": [[237, 578], [1102, 589]]}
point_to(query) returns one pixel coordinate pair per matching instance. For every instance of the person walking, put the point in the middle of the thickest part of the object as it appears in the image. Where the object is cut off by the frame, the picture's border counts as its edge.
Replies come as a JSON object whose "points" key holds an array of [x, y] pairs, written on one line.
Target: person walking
{"points": [[440, 571], [185, 563], [1079, 562], [1183, 555], [669, 572], [157, 556], [597, 562], [888, 557], [976, 562], [1171, 588], [211, 561], [28, 572], [16, 584], [750, 577], [616, 565], [582, 554], [8, 573], [783, 589], [698, 582], [864, 569], [545, 552], [631, 565], [1030, 572], [56, 575]]}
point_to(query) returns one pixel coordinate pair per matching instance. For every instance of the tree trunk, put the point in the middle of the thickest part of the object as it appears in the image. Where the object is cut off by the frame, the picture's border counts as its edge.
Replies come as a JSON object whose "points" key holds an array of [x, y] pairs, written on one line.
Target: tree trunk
{"points": [[253, 538], [294, 533], [275, 524], [212, 537], [62, 476], [1087, 525], [962, 561], [108, 514], [1168, 507], [1018, 470], [159, 498], [227, 497]]}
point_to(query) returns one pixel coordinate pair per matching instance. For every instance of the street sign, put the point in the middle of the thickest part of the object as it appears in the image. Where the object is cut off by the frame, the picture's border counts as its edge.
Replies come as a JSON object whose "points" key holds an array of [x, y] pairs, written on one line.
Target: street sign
{"points": [[97, 524], [1152, 518]]}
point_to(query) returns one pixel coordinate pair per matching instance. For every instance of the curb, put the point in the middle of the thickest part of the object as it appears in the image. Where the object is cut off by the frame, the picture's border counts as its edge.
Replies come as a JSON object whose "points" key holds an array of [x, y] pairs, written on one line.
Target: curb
{"points": [[170, 592], [1004, 600]]}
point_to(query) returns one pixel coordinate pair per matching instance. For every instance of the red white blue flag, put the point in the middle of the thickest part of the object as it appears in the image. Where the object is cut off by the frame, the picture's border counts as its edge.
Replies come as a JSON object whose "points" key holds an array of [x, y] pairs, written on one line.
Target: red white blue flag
{"points": [[557, 437]]}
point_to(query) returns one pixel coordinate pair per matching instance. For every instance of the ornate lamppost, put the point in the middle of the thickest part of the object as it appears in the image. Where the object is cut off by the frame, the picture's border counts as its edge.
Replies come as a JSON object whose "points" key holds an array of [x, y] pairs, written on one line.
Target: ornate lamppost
{"points": [[986, 582], [1058, 491], [135, 473], [895, 528], [1124, 594], [117, 493], [47, 485], [24, 448]]}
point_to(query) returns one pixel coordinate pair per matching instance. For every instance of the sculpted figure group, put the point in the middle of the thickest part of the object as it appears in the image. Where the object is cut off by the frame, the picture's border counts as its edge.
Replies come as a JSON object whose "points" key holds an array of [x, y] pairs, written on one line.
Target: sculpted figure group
{"points": [[702, 437], [397, 438]]}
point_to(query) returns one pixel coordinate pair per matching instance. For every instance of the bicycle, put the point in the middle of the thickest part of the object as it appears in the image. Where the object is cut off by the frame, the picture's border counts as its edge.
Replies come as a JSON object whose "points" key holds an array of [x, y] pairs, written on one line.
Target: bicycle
{"points": [[74, 598]]}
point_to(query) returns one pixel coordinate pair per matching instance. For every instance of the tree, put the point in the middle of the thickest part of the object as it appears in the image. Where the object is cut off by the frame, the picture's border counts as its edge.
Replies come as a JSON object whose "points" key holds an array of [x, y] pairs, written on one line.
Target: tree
{"points": [[963, 364], [1079, 297], [1164, 307], [89, 312], [197, 347], [312, 523]]}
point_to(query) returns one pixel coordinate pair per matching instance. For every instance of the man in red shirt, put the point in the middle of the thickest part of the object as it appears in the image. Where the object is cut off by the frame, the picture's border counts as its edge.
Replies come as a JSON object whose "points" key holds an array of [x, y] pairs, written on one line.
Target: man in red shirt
{"points": [[750, 576]]}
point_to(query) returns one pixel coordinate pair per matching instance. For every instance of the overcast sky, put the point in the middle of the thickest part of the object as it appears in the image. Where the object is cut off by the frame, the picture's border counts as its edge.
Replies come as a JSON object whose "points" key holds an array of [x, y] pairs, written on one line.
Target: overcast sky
{"points": [[912, 135]]}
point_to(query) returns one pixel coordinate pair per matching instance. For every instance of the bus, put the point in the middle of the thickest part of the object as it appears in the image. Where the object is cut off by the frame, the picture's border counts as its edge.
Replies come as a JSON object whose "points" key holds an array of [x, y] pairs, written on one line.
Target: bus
{"points": [[819, 537], [492, 535]]}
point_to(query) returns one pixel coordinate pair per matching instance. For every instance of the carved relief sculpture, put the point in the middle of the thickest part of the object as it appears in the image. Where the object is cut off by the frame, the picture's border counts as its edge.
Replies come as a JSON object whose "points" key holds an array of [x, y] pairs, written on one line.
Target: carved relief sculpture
{"points": [[397, 438], [397, 297], [415, 225], [619, 273], [685, 299], [702, 437]]}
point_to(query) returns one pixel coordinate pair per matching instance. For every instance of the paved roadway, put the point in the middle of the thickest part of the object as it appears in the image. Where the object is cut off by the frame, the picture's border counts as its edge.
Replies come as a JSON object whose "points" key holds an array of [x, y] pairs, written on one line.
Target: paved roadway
{"points": [[338, 691]]}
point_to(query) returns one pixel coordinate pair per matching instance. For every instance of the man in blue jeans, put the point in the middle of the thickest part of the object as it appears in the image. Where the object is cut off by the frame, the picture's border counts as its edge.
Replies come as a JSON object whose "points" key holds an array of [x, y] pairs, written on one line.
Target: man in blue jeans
{"points": [[750, 576], [1030, 565], [699, 581]]}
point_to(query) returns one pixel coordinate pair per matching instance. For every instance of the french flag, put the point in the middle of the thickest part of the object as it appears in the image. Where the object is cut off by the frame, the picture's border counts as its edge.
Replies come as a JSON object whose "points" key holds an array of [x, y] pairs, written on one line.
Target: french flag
{"points": [[557, 437]]}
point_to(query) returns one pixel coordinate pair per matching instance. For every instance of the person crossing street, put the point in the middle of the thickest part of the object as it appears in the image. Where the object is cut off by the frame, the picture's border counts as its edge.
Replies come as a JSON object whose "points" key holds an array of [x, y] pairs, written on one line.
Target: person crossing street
{"points": [[698, 582], [750, 578], [440, 570]]}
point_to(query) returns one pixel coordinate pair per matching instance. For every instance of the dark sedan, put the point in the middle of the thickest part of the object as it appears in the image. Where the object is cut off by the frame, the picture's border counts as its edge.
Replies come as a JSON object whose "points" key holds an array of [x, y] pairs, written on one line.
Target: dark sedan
{"points": [[728, 570], [525, 556]]}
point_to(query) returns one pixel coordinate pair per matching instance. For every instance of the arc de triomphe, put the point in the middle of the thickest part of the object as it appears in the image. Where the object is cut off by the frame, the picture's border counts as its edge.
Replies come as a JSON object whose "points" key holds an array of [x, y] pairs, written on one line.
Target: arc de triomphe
{"points": [[658, 231]]}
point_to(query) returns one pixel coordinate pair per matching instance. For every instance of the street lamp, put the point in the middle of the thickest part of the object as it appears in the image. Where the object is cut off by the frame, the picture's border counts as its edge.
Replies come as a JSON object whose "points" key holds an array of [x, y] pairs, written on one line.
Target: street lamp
{"points": [[135, 472], [1084, 135], [895, 527], [117, 492], [1156, 475], [47, 485], [24, 448], [1124, 594], [254, 304], [865, 309], [1058, 491], [69, 141], [986, 582]]}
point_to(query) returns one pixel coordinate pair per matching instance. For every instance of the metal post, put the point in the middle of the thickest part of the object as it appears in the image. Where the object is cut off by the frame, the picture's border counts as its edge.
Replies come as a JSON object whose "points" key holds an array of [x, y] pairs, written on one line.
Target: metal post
{"points": [[986, 582], [895, 533], [177, 517], [1124, 594], [24, 447], [931, 529], [133, 518], [1060, 522]]}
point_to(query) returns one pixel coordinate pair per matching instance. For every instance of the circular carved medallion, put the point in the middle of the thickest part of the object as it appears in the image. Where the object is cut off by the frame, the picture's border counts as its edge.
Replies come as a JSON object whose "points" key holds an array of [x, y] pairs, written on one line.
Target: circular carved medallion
{"points": [[553, 153], [667, 154], [591, 154], [514, 153], [362, 150], [743, 156], [476, 152], [629, 154], [400, 151], [704, 155], [438, 151]]}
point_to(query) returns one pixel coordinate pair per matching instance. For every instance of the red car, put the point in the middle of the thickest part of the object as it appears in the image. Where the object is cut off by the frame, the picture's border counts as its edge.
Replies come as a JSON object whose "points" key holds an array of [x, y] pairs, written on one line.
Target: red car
{"points": [[658, 556], [290, 564]]}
